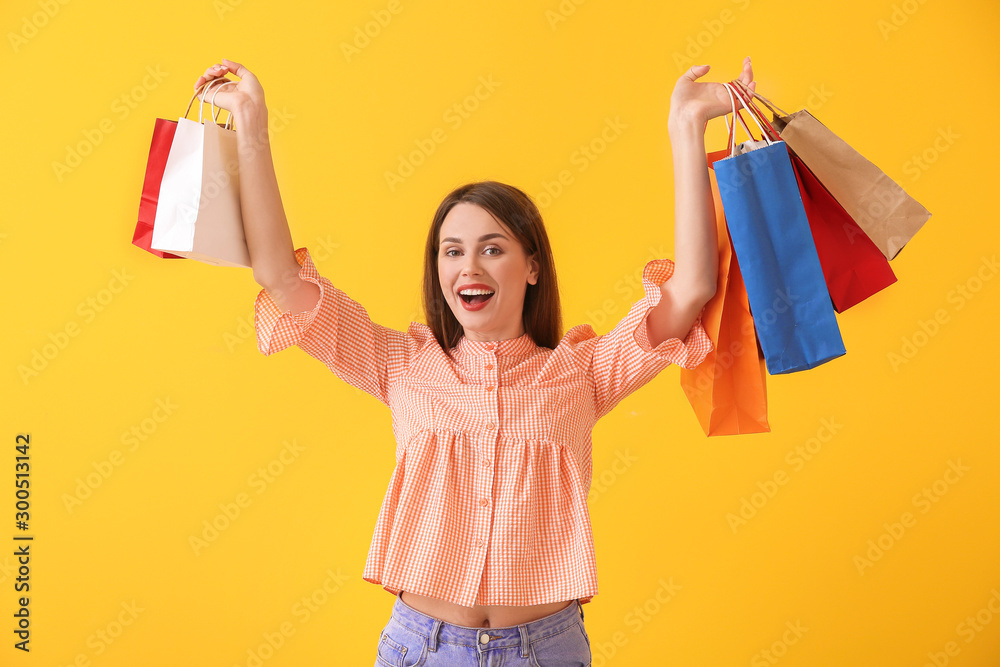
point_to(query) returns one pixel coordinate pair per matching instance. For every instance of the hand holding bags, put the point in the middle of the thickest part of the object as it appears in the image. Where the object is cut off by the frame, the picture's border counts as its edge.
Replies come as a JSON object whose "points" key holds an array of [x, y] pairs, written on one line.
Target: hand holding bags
{"points": [[757, 184], [888, 215], [791, 307], [197, 208]]}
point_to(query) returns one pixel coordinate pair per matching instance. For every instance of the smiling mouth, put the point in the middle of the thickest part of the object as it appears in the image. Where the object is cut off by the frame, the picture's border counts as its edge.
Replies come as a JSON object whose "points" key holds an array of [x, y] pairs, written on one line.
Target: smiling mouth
{"points": [[474, 299]]}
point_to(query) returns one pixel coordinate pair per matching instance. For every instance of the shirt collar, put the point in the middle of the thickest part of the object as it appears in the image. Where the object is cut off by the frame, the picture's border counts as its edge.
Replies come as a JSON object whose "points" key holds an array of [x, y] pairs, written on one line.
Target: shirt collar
{"points": [[511, 347]]}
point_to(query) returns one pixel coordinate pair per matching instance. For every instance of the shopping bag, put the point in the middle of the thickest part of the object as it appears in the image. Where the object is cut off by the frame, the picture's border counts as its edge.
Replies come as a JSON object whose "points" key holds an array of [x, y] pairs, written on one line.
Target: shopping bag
{"points": [[198, 213], [159, 148], [853, 266], [728, 389], [789, 301], [887, 214]]}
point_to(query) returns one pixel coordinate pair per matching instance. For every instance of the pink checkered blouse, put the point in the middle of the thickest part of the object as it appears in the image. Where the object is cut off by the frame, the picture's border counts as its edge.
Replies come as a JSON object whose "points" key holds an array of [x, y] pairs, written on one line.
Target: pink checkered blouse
{"points": [[487, 504]]}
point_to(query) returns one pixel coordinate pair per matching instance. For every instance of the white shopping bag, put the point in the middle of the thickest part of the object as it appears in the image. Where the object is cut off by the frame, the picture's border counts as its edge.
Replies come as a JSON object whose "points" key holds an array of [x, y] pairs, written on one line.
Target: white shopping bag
{"points": [[198, 213]]}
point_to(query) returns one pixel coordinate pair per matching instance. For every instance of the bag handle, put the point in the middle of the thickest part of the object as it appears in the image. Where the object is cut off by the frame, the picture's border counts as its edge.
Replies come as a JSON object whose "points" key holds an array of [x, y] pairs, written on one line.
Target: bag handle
{"points": [[731, 136], [215, 114], [742, 122], [774, 108], [201, 109], [758, 115], [204, 88], [748, 96], [733, 95]]}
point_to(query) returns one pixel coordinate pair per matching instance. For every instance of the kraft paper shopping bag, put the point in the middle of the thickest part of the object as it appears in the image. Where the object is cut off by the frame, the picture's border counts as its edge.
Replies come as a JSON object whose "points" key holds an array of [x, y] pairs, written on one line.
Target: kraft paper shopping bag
{"points": [[198, 215], [887, 214]]}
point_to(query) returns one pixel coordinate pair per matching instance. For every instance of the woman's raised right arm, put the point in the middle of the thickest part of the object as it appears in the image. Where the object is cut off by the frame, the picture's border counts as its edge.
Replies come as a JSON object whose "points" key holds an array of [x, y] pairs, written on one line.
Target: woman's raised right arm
{"points": [[269, 240]]}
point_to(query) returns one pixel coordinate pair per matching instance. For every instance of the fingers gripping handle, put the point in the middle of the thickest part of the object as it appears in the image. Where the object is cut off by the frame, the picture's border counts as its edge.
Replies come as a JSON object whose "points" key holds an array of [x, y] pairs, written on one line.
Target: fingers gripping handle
{"points": [[215, 114], [202, 91]]}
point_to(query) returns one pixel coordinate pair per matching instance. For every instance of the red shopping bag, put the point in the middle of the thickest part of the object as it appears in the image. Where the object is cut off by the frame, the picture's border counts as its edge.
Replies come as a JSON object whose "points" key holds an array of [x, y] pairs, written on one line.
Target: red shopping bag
{"points": [[159, 149], [853, 265]]}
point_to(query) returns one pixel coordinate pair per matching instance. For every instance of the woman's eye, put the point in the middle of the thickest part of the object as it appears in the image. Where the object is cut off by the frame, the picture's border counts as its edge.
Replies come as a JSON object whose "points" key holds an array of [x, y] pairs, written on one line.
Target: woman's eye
{"points": [[450, 252]]}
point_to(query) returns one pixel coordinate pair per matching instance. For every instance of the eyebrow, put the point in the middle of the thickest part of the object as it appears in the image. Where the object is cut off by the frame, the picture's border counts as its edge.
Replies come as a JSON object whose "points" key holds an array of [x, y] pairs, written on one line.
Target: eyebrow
{"points": [[484, 237]]}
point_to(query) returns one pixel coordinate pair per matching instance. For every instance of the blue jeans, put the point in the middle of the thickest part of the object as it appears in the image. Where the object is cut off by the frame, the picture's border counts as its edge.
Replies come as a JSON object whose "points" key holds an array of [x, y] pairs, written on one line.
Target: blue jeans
{"points": [[412, 638]]}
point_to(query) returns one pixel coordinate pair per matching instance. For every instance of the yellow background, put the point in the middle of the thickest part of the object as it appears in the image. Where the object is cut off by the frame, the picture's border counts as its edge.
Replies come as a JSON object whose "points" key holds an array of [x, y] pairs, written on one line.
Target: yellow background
{"points": [[890, 77]]}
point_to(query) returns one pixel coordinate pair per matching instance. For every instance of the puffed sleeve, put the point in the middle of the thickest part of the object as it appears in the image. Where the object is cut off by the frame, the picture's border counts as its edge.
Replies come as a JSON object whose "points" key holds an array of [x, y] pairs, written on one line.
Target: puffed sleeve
{"points": [[338, 332], [622, 360]]}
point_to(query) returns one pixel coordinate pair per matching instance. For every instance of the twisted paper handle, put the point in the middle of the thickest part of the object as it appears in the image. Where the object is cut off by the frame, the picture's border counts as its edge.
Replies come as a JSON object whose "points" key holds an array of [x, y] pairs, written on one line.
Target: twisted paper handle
{"points": [[205, 87]]}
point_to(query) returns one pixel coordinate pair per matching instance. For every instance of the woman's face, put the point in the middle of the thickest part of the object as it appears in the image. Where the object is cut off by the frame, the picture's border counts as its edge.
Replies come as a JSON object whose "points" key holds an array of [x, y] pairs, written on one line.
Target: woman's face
{"points": [[475, 249]]}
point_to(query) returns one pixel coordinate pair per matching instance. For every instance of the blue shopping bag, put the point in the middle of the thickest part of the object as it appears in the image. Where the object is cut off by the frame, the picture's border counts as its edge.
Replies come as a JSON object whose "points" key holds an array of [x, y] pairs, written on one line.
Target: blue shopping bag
{"points": [[791, 306]]}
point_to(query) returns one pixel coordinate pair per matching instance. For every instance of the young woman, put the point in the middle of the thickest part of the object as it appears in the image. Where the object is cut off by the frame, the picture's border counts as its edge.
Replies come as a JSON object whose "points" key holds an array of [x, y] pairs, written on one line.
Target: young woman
{"points": [[484, 535]]}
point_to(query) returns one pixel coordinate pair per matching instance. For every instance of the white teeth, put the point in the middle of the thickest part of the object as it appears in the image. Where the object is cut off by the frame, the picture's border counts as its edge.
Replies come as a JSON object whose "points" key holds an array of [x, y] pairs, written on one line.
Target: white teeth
{"points": [[476, 291]]}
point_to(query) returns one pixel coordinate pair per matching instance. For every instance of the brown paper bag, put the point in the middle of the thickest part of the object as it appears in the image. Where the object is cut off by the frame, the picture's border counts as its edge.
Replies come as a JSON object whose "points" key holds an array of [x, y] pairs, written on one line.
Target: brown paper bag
{"points": [[888, 215], [198, 214]]}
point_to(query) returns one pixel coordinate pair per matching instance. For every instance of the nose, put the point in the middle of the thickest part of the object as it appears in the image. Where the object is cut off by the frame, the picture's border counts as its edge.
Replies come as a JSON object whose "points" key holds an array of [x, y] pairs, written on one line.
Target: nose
{"points": [[471, 267]]}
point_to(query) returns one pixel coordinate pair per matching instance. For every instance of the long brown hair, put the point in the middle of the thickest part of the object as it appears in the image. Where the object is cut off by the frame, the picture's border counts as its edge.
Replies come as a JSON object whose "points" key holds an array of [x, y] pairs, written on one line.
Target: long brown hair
{"points": [[542, 315]]}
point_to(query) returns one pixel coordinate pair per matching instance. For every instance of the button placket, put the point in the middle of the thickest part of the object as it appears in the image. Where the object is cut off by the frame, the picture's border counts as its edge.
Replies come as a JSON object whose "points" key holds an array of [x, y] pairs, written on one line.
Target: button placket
{"points": [[490, 364], [490, 387]]}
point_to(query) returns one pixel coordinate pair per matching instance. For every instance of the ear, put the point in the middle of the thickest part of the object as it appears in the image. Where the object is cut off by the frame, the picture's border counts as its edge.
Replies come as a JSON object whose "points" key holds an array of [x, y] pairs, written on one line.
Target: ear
{"points": [[534, 270]]}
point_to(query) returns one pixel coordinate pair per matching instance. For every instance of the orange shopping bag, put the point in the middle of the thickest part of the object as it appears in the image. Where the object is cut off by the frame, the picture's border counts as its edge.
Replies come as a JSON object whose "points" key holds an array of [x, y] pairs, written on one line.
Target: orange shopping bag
{"points": [[727, 390]]}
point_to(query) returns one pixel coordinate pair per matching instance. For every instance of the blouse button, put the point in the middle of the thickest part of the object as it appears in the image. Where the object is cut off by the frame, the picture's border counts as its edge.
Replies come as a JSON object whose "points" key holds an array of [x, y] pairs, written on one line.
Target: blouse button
{"points": [[489, 367], [486, 462], [479, 543], [489, 388], [484, 502], [491, 426], [490, 346]]}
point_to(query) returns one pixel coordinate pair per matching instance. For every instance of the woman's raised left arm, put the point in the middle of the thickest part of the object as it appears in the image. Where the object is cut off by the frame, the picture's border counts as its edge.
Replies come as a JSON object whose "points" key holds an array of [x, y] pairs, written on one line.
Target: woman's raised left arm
{"points": [[696, 261]]}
